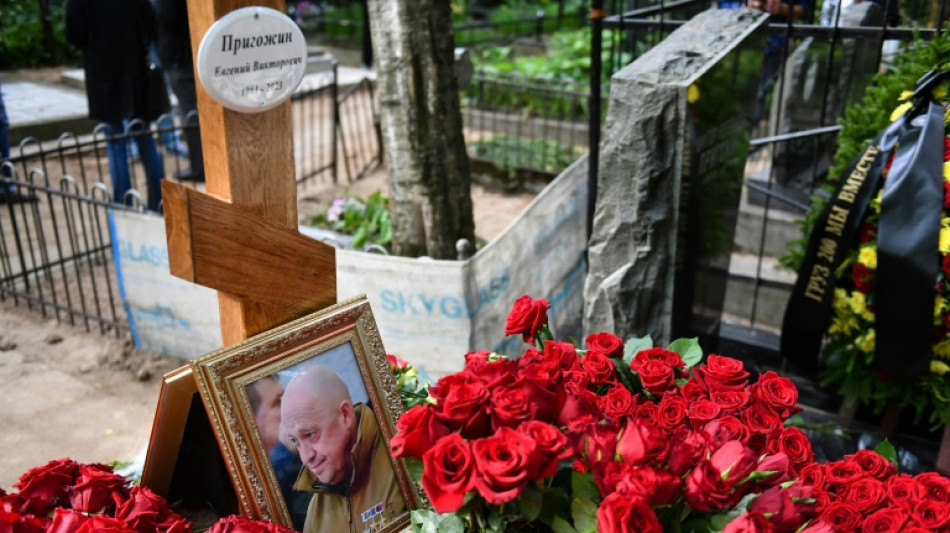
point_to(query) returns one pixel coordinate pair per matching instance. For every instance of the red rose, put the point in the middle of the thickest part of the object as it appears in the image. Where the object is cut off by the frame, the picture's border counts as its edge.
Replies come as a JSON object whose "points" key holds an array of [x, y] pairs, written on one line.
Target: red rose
{"points": [[605, 343], [600, 368], [693, 391], [866, 493], [476, 359], [617, 404], [760, 418], [144, 510], [526, 317], [504, 465], [241, 524], [595, 442], [777, 392], [779, 465], [15, 523], [577, 403], [842, 473], [734, 461], [656, 377], [902, 490], [419, 429], [794, 443], [66, 521], [104, 524], [932, 514], [444, 386], [818, 526], [842, 516], [562, 352], [618, 514], [48, 481], [946, 266], [509, 407], [464, 408], [577, 377], [934, 486], [16, 504], [702, 411], [687, 447], [722, 373], [551, 447], [862, 278], [547, 402], [495, 373], [640, 443], [618, 477], [751, 522], [873, 463], [97, 489], [174, 524], [671, 412], [887, 520], [946, 194], [396, 363], [812, 474], [645, 411], [658, 486], [706, 491], [730, 401], [448, 473], [727, 428]]}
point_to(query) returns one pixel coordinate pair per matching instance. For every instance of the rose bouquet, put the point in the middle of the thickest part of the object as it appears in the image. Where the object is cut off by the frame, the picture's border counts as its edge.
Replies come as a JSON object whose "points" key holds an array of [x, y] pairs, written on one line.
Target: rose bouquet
{"points": [[64, 496], [614, 437]]}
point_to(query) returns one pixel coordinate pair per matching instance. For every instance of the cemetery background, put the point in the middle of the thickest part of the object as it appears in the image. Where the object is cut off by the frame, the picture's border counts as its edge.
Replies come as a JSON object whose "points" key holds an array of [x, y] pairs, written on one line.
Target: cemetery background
{"points": [[40, 330]]}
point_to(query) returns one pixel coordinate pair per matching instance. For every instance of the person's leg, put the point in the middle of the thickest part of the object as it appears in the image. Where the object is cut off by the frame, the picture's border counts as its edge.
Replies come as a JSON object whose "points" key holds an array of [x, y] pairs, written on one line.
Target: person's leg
{"points": [[154, 170], [117, 150], [183, 85]]}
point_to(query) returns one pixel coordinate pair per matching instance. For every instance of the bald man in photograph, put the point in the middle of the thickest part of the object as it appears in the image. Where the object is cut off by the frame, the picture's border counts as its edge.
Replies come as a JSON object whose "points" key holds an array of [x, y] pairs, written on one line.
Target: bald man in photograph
{"points": [[345, 462]]}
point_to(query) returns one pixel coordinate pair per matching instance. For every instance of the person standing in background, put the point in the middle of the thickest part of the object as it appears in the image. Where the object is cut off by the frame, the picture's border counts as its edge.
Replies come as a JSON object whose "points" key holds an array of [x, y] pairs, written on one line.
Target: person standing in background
{"points": [[174, 51], [114, 36]]}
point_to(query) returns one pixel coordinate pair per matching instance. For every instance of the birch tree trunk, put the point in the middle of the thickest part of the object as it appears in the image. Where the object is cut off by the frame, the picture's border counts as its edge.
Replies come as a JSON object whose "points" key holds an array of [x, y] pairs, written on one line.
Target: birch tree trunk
{"points": [[430, 196]]}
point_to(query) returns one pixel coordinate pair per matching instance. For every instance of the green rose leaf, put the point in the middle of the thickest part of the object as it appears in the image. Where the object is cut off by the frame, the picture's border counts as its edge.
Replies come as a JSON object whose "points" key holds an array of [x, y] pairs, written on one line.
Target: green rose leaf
{"points": [[559, 525], [584, 513], [634, 345], [414, 467], [887, 451], [529, 503], [583, 486], [689, 350]]}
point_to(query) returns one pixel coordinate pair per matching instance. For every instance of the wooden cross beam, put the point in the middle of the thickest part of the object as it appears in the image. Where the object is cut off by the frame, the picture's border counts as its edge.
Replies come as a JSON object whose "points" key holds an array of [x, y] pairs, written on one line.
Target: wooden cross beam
{"points": [[241, 237]]}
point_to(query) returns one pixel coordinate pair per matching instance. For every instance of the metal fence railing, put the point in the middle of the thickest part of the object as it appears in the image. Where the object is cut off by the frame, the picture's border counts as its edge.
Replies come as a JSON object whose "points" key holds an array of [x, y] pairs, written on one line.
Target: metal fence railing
{"points": [[517, 126], [56, 251], [823, 70]]}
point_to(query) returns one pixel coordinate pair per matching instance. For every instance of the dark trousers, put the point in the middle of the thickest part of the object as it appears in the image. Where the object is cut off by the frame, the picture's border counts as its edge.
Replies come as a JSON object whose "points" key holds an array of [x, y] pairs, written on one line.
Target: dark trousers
{"points": [[182, 81]]}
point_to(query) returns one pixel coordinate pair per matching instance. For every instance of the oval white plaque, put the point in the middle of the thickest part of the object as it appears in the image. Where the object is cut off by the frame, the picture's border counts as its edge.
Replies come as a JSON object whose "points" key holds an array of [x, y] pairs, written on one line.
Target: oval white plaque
{"points": [[252, 59]]}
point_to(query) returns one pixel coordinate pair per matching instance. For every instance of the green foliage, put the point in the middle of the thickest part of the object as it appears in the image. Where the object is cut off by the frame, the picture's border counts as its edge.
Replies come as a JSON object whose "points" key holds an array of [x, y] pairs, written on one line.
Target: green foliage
{"points": [[509, 153], [886, 450], [367, 220], [22, 42], [862, 122], [689, 350]]}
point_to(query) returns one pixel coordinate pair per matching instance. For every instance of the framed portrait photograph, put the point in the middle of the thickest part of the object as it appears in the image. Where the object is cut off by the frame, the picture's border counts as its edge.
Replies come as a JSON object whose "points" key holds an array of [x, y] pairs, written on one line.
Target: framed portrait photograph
{"points": [[303, 415]]}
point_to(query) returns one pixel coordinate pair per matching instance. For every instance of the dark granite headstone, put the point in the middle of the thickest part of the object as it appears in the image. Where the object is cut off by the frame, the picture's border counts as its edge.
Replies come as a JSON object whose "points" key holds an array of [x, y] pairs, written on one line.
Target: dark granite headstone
{"points": [[671, 169]]}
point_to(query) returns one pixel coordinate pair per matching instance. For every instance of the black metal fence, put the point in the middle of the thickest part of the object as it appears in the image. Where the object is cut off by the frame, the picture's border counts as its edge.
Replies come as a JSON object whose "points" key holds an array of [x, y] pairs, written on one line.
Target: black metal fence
{"points": [[823, 69], [56, 252], [523, 129]]}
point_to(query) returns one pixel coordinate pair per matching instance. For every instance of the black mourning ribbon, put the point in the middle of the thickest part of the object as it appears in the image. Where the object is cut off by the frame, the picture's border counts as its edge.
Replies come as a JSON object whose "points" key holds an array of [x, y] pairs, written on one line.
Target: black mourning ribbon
{"points": [[907, 240], [808, 311]]}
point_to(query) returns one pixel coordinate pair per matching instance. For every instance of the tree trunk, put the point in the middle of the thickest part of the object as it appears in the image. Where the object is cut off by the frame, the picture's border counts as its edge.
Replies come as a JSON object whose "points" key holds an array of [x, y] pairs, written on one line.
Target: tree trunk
{"points": [[431, 204], [48, 39]]}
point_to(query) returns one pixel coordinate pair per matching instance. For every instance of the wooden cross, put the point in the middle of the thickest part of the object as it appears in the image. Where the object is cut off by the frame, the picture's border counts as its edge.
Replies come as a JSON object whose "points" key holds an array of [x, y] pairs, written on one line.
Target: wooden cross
{"points": [[241, 237]]}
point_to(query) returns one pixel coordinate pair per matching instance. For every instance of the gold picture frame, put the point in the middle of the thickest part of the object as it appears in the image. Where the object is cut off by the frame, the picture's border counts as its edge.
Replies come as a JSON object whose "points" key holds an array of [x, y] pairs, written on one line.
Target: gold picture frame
{"points": [[342, 338]]}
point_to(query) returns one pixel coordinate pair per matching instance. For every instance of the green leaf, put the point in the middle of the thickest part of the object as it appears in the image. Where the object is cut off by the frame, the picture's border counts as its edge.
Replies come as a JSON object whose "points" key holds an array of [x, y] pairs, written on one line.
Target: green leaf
{"points": [[559, 525], [886, 449], [414, 467], [689, 350], [629, 379], [495, 520], [583, 486], [584, 513], [634, 345], [554, 500], [529, 502]]}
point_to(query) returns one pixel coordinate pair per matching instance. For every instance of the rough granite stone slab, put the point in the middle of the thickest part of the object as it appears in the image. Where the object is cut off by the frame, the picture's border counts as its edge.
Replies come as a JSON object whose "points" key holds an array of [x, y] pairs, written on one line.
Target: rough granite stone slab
{"points": [[629, 288]]}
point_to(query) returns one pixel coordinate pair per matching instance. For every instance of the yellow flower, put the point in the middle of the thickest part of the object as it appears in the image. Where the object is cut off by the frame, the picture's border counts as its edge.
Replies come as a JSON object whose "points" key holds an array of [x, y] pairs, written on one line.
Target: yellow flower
{"points": [[692, 94], [900, 110], [905, 96], [939, 367], [944, 245], [865, 342], [859, 305], [946, 171], [939, 305], [875, 203], [942, 349], [867, 255]]}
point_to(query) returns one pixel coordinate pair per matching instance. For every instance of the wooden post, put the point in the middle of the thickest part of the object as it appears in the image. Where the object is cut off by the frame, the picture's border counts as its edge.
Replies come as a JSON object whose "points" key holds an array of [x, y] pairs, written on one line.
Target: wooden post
{"points": [[249, 163]]}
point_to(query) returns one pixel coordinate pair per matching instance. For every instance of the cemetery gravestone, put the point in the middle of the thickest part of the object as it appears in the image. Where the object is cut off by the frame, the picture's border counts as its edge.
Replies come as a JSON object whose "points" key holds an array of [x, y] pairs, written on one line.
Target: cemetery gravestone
{"points": [[670, 175]]}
